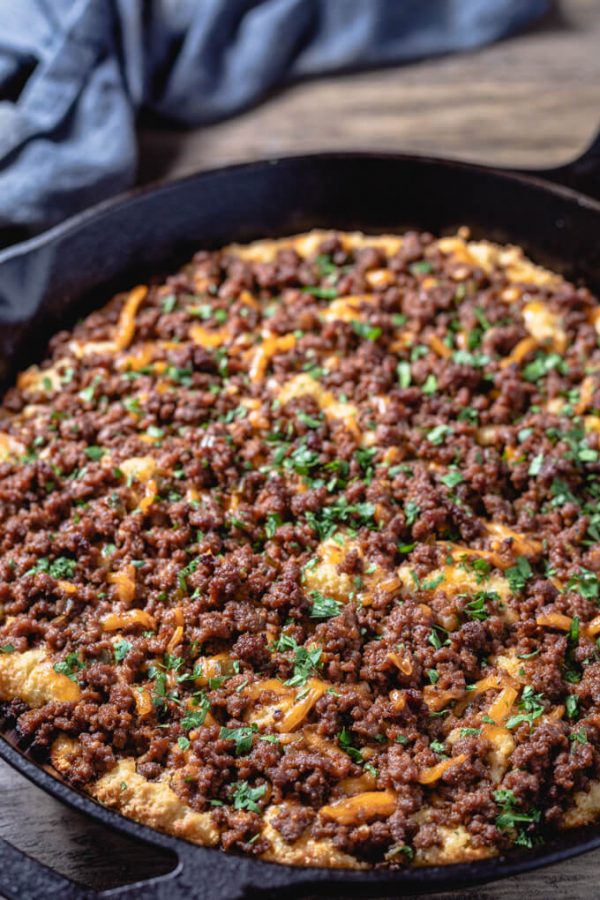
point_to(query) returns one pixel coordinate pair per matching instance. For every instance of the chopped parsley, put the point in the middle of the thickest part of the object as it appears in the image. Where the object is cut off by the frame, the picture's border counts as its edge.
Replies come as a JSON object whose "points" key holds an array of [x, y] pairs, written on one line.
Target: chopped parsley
{"points": [[452, 479], [467, 358], [87, 394], [364, 457], [510, 819], [579, 736], [437, 435], [519, 574], [572, 706], [478, 566], [182, 575], [324, 607], [322, 293], [121, 649], [306, 660], [542, 365], [579, 450], [345, 741], [302, 460], [328, 519], [242, 738], [422, 267], [245, 797], [573, 635], [585, 583], [532, 706], [310, 421], [325, 265], [366, 331], [535, 467], [430, 385], [94, 453], [561, 493], [169, 303], [412, 512], [274, 521], [62, 567], [438, 638], [195, 718], [477, 607], [404, 373], [70, 664]]}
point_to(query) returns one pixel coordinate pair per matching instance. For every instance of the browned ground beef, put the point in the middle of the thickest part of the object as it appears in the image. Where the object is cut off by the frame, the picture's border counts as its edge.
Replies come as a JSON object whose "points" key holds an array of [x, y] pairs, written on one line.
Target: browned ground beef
{"points": [[218, 542]]}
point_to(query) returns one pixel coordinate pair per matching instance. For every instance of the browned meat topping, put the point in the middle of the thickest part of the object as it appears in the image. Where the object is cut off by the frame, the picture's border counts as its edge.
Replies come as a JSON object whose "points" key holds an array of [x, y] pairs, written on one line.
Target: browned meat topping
{"points": [[315, 529]]}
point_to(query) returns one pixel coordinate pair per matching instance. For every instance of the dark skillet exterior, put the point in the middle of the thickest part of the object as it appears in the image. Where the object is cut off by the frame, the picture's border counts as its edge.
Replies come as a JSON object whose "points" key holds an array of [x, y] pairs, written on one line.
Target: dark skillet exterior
{"points": [[48, 281]]}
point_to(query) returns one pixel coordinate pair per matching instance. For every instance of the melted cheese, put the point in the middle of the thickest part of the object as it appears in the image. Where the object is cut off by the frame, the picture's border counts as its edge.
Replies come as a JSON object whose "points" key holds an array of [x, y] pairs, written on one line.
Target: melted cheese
{"points": [[434, 773], [47, 380], [454, 580], [207, 338], [520, 544], [304, 385], [379, 278], [270, 347], [124, 582], [307, 245], [490, 256], [290, 707], [360, 808], [131, 618], [9, 447], [142, 468], [325, 578], [124, 331], [544, 325], [519, 352], [346, 309]]}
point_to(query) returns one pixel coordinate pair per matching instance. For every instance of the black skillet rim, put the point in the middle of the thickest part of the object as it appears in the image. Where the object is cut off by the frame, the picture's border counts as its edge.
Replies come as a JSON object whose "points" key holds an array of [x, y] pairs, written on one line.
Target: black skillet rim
{"points": [[535, 179]]}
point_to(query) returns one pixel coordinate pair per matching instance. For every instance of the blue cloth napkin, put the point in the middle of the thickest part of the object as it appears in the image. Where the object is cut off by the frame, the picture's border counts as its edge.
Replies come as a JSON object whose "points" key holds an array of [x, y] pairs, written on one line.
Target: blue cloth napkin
{"points": [[74, 74]]}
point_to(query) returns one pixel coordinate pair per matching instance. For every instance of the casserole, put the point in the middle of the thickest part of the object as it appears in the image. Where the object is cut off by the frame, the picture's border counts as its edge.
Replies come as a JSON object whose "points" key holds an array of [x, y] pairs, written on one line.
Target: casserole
{"points": [[427, 193]]}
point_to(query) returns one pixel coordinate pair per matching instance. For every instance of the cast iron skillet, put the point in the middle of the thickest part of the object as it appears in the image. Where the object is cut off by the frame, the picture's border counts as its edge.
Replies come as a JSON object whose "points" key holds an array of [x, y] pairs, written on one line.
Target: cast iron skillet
{"points": [[49, 280]]}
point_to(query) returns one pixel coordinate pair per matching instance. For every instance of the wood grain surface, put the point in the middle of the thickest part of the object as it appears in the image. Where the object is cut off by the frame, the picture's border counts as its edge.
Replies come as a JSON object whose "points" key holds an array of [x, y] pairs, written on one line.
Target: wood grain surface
{"points": [[533, 100]]}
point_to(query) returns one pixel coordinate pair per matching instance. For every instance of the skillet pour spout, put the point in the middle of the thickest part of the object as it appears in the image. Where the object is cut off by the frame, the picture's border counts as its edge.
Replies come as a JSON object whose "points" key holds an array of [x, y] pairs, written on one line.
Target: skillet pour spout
{"points": [[582, 174]]}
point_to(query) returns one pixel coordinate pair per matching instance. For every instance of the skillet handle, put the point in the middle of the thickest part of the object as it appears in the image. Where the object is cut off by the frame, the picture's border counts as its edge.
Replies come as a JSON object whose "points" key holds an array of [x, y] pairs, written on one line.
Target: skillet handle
{"points": [[23, 878], [199, 874], [582, 174]]}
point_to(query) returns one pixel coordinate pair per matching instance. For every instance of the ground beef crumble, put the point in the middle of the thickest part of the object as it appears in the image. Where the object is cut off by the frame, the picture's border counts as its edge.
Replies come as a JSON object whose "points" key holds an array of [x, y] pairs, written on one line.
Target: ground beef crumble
{"points": [[316, 527]]}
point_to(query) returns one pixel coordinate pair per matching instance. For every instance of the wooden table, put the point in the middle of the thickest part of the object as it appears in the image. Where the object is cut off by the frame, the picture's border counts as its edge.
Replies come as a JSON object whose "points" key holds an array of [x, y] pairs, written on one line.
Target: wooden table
{"points": [[531, 101]]}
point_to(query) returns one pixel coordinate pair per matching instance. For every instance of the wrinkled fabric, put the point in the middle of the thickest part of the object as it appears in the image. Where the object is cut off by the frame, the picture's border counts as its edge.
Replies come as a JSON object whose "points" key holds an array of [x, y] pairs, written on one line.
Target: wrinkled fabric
{"points": [[74, 74]]}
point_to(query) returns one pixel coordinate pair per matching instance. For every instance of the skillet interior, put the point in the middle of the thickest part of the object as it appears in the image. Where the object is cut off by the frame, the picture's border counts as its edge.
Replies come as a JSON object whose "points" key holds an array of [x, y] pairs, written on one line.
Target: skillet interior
{"points": [[50, 280]]}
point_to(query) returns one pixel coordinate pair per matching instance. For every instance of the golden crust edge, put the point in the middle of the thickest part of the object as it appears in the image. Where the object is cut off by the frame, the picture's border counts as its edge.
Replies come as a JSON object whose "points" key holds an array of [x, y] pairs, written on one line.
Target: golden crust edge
{"points": [[156, 805]]}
